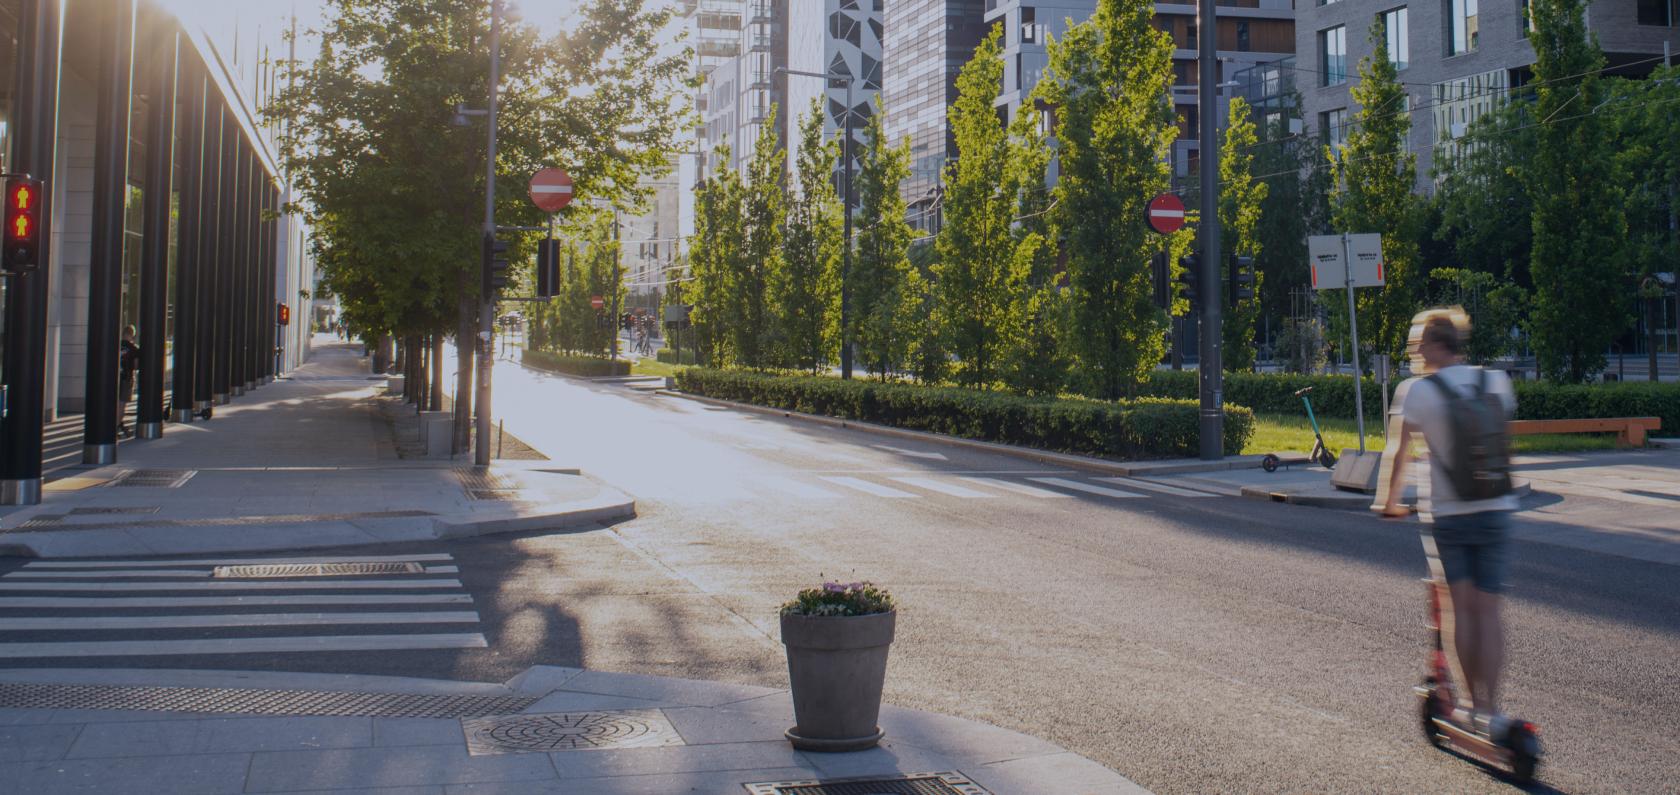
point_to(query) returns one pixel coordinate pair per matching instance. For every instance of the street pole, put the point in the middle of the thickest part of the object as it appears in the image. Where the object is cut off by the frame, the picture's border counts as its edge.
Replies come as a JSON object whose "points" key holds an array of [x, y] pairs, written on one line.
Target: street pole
{"points": [[617, 282], [487, 302], [1353, 343], [846, 257], [1209, 369]]}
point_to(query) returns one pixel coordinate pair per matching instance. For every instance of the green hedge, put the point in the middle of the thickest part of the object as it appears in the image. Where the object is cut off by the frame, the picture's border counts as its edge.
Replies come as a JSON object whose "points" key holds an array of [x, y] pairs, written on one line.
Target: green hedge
{"points": [[587, 366], [1143, 428], [669, 356], [1332, 396]]}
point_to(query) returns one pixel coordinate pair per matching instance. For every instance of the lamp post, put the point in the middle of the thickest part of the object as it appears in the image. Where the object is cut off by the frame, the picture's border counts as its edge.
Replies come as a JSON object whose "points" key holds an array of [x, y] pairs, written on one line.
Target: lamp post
{"points": [[846, 256]]}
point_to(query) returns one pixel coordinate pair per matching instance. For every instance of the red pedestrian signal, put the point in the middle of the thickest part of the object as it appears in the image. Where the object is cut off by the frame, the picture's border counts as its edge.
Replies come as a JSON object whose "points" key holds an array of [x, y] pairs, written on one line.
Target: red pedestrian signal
{"points": [[23, 245], [285, 315]]}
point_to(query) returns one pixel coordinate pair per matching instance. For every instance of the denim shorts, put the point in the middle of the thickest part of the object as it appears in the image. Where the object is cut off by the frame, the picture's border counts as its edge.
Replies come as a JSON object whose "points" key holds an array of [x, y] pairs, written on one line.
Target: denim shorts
{"points": [[1473, 546]]}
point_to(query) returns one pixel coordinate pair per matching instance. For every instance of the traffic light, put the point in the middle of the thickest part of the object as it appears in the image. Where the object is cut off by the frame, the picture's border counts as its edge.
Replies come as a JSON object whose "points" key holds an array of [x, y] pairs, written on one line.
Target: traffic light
{"points": [[1191, 278], [1240, 273], [1160, 280], [284, 315], [495, 265], [548, 268], [23, 223]]}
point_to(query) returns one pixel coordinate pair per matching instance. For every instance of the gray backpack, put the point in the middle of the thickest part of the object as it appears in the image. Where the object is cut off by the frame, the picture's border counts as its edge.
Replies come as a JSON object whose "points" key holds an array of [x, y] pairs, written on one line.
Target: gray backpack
{"points": [[1480, 465]]}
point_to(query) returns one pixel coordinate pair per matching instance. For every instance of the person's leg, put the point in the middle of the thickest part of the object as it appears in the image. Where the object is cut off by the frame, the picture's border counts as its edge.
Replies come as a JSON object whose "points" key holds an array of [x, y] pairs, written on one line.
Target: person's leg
{"points": [[1490, 651], [1466, 631]]}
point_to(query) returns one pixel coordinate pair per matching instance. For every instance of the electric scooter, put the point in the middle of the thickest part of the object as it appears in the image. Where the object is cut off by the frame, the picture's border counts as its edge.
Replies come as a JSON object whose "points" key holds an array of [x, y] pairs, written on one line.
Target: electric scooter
{"points": [[1443, 725], [1319, 453]]}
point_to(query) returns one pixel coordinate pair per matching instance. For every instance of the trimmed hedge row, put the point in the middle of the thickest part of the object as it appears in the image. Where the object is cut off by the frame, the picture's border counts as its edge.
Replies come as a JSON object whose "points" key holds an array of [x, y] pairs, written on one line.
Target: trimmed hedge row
{"points": [[1332, 396], [669, 356], [586, 366], [1143, 428]]}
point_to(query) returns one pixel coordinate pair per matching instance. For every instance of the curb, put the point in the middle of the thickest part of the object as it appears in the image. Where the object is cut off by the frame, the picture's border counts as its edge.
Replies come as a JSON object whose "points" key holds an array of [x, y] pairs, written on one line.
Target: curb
{"points": [[609, 505], [1123, 468]]}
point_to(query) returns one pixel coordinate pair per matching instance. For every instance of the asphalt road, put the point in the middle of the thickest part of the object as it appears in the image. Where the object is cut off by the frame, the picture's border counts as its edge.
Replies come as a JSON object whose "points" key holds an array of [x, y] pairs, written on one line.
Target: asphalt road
{"points": [[1193, 643]]}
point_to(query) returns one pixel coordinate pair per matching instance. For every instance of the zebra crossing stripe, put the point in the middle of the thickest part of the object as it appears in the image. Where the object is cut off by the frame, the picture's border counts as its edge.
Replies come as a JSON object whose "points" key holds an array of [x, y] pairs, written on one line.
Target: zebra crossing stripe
{"points": [[1085, 487], [147, 648], [797, 488], [100, 573], [1163, 488], [945, 488], [126, 602], [429, 557], [867, 487], [323, 584], [55, 623], [1018, 488]]}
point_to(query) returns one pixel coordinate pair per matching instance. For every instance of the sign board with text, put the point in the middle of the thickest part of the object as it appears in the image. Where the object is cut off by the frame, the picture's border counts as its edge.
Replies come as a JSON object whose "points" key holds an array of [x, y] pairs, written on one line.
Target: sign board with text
{"points": [[1328, 258]]}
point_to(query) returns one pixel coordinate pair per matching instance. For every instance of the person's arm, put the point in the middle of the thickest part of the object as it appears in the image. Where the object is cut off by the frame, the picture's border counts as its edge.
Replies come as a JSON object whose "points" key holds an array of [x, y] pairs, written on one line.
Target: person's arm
{"points": [[1397, 455]]}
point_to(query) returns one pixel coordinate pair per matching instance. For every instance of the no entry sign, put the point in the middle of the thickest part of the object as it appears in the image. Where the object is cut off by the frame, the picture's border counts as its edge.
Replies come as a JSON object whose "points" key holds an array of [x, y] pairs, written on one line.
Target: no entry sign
{"points": [[1165, 214], [597, 301], [551, 189]]}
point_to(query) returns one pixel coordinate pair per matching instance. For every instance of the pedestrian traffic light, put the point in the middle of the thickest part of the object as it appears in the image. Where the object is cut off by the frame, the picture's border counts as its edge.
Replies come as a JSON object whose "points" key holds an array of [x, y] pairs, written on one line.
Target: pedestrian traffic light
{"points": [[495, 265], [1190, 278], [284, 315], [23, 223], [548, 268], [1160, 280], [1240, 274]]}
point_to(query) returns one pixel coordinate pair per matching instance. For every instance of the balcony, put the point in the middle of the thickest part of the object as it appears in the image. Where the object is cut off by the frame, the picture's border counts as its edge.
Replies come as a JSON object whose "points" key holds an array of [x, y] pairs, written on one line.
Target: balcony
{"points": [[759, 42], [759, 79], [716, 49], [761, 13]]}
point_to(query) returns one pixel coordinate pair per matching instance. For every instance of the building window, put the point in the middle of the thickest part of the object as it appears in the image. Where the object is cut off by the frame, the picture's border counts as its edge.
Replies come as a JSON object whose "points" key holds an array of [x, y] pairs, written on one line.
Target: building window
{"points": [[1397, 32], [1242, 35], [1190, 34], [1328, 2], [1029, 26], [1462, 33], [1332, 56], [1333, 128], [1656, 12]]}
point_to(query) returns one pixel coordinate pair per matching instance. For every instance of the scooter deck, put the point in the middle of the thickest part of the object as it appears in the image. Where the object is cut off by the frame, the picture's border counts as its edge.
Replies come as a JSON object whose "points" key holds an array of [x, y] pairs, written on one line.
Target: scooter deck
{"points": [[1473, 744]]}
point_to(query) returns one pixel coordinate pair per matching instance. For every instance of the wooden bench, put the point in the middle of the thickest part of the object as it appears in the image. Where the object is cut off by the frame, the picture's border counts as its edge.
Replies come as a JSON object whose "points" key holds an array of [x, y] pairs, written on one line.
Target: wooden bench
{"points": [[1630, 431]]}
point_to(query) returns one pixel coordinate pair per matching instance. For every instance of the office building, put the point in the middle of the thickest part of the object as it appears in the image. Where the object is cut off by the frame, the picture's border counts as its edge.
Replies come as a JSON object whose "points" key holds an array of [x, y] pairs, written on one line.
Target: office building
{"points": [[926, 44]]}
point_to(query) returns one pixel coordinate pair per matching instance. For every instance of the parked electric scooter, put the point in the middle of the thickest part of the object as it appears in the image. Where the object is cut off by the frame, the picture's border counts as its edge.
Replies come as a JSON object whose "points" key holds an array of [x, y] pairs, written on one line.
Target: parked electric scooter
{"points": [[1319, 453]]}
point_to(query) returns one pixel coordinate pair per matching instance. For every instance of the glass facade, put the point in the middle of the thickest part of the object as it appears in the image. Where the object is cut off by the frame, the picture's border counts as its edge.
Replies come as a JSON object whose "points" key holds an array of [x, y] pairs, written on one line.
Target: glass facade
{"points": [[1462, 32], [926, 43], [1397, 33], [1332, 56]]}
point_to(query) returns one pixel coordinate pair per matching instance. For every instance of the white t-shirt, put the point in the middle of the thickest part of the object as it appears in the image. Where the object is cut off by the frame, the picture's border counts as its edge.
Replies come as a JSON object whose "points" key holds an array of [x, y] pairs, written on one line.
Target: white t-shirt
{"points": [[1425, 407]]}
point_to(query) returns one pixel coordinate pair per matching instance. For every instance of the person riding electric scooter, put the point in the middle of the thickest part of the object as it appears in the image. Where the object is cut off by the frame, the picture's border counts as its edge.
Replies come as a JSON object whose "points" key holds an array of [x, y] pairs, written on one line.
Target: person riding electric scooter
{"points": [[1461, 411]]}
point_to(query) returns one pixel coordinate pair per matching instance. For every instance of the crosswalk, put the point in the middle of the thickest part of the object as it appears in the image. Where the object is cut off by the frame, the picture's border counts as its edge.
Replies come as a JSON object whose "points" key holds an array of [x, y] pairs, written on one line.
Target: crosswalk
{"points": [[159, 608], [897, 486]]}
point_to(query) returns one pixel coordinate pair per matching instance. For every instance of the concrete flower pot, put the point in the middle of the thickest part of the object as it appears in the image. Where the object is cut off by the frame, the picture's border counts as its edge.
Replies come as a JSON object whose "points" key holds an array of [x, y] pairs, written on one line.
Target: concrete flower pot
{"points": [[838, 666]]}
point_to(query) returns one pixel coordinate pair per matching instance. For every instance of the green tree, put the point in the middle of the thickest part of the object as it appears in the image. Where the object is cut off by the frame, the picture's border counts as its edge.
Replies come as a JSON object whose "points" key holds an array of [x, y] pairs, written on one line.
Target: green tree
{"points": [[1580, 297], [1646, 124], [1241, 198], [1108, 79], [719, 237], [760, 263], [1297, 179], [1496, 307], [980, 275], [885, 287], [1038, 364], [806, 291], [1486, 213], [1374, 175]]}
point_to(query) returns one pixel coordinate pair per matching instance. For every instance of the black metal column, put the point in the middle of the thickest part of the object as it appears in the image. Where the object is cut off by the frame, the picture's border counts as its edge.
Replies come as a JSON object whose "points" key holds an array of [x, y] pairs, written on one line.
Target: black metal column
{"points": [[236, 300], [271, 288], [110, 171], [34, 130], [184, 385], [253, 271], [224, 256], [205, 394], [154, 253]]}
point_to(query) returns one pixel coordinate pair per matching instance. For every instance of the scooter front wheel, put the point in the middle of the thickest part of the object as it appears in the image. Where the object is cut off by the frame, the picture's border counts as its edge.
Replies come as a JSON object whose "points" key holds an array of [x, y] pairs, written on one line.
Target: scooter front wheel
{"points": [[1326, 458], [1269, 463], [1525, 754], [1426, 710]]}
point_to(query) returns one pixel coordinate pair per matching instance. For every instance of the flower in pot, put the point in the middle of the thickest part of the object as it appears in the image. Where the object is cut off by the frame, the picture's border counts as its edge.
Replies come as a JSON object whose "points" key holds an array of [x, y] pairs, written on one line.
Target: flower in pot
{"points": [[837, 638]]}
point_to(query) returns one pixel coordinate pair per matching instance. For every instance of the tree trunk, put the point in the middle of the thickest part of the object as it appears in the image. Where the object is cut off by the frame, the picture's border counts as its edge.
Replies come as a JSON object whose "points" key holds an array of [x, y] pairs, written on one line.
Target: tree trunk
{"points": [[466, 337], [436, 390]]}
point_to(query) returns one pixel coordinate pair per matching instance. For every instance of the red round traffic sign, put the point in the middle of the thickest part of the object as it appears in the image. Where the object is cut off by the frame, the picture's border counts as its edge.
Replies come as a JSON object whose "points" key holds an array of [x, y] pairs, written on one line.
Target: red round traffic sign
{"points": [[551, 189], [597, 301], [1165, 214]]}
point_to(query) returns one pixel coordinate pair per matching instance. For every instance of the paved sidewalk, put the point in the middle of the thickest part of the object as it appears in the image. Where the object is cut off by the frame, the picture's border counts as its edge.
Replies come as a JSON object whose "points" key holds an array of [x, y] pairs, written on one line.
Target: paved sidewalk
{"points": [[307, 461], [548, 730]]}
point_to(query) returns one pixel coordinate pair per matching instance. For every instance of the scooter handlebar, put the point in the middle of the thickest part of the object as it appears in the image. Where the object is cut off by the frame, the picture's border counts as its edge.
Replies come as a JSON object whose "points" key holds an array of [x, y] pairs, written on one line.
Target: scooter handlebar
{"points": [[1303, 391]]}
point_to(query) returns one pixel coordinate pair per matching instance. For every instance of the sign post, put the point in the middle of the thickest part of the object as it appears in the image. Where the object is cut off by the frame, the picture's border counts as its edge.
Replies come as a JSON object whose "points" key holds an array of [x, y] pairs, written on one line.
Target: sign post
{"points": [[1347, 261]]}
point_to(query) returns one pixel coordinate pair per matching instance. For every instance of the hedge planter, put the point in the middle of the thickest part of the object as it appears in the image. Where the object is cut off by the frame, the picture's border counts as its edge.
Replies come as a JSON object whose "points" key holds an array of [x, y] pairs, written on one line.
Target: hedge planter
{"points": [[838, 665]]}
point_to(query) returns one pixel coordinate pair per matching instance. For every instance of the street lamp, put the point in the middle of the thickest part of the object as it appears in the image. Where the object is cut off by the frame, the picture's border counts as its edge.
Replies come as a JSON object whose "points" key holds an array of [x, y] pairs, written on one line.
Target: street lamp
{"points": [[846, 257]]}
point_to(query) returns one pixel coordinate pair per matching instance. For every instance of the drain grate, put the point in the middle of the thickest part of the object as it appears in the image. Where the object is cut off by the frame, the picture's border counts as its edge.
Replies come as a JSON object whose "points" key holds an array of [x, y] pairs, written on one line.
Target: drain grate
{"points": [[569, 731], [484, 480], [114, 509], [908, 784], [156, 478], [44, 520], [493, 494], [225, 700], [316, 569]]}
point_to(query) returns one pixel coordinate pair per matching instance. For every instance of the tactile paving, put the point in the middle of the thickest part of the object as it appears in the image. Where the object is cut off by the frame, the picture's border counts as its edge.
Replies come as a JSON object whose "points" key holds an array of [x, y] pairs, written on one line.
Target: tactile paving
{"points": [[239, 701]]}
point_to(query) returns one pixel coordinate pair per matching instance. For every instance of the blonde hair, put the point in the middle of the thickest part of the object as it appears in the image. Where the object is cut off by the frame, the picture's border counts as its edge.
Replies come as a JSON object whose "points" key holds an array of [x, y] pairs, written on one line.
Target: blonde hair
{"points": [[128, 331], [1448, 327]]}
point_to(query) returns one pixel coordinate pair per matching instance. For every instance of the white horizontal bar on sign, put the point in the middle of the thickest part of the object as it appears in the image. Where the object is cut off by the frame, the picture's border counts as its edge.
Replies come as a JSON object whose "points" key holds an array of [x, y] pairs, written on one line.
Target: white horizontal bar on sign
{"points": [[61, 574], [945, 488], [870, 488], [316, 584], [118, 564], [124, 602], [57, 623], [1085, 487], [150, 648], [1018, 488], [1163, 488], [566, 189]]}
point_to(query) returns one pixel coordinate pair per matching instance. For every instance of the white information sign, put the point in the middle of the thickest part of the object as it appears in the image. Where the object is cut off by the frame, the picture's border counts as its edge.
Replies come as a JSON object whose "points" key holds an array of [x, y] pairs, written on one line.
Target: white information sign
{"points": [[1328, 257]]}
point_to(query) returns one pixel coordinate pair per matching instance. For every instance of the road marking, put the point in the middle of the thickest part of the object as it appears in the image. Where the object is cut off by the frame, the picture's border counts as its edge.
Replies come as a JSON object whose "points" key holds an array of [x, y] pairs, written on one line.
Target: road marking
{"points": [[124, 602], [945, 488], [1085, 487], [796, 487], [141, 648], [316, 584], [119, 564], [57, 623], [863, 486], [902, 451], [1018, 488], [443, 569], [1160, 487], [71, 575]]}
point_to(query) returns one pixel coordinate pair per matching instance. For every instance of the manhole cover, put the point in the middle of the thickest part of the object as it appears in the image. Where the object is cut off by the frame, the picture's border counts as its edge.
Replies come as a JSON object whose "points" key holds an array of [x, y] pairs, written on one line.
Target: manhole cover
{"points": [[156, 478], [317, 569], [227, 700], [113, 509], [569, 731], [907, 784]]}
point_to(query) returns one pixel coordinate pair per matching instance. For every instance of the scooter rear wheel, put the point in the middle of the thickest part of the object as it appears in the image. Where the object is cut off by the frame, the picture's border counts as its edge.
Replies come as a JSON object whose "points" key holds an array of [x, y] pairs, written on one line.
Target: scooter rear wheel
{"points": [[1525, 754]]}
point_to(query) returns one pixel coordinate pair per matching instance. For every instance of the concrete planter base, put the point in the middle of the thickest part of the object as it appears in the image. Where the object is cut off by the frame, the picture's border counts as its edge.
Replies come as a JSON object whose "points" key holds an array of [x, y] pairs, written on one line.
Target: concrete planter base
{"points": [[837, 667]]}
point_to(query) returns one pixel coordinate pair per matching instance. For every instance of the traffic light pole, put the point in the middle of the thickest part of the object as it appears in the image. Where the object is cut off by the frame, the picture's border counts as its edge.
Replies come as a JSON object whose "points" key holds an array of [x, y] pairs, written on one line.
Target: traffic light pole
{"points": [[1210, 367], [487, 302]]}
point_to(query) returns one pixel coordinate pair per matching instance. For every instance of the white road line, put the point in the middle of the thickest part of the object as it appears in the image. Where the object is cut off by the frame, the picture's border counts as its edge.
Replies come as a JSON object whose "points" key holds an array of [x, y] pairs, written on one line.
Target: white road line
{"points": [[1085, 487], [148, 648], [70, 575], [870, 488], [1160, 487], [124, 602], [118, 564], [56, 623], [797, 488], [443, 569], [945, 488], [1018, 488], [314, 584]]}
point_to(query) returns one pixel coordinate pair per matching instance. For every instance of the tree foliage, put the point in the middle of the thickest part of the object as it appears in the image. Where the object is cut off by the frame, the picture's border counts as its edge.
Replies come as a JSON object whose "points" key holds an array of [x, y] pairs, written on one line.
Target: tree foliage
{"points": [[886, 290], [719, 238], [1241, 198], [760, 263], [806, 291]]}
